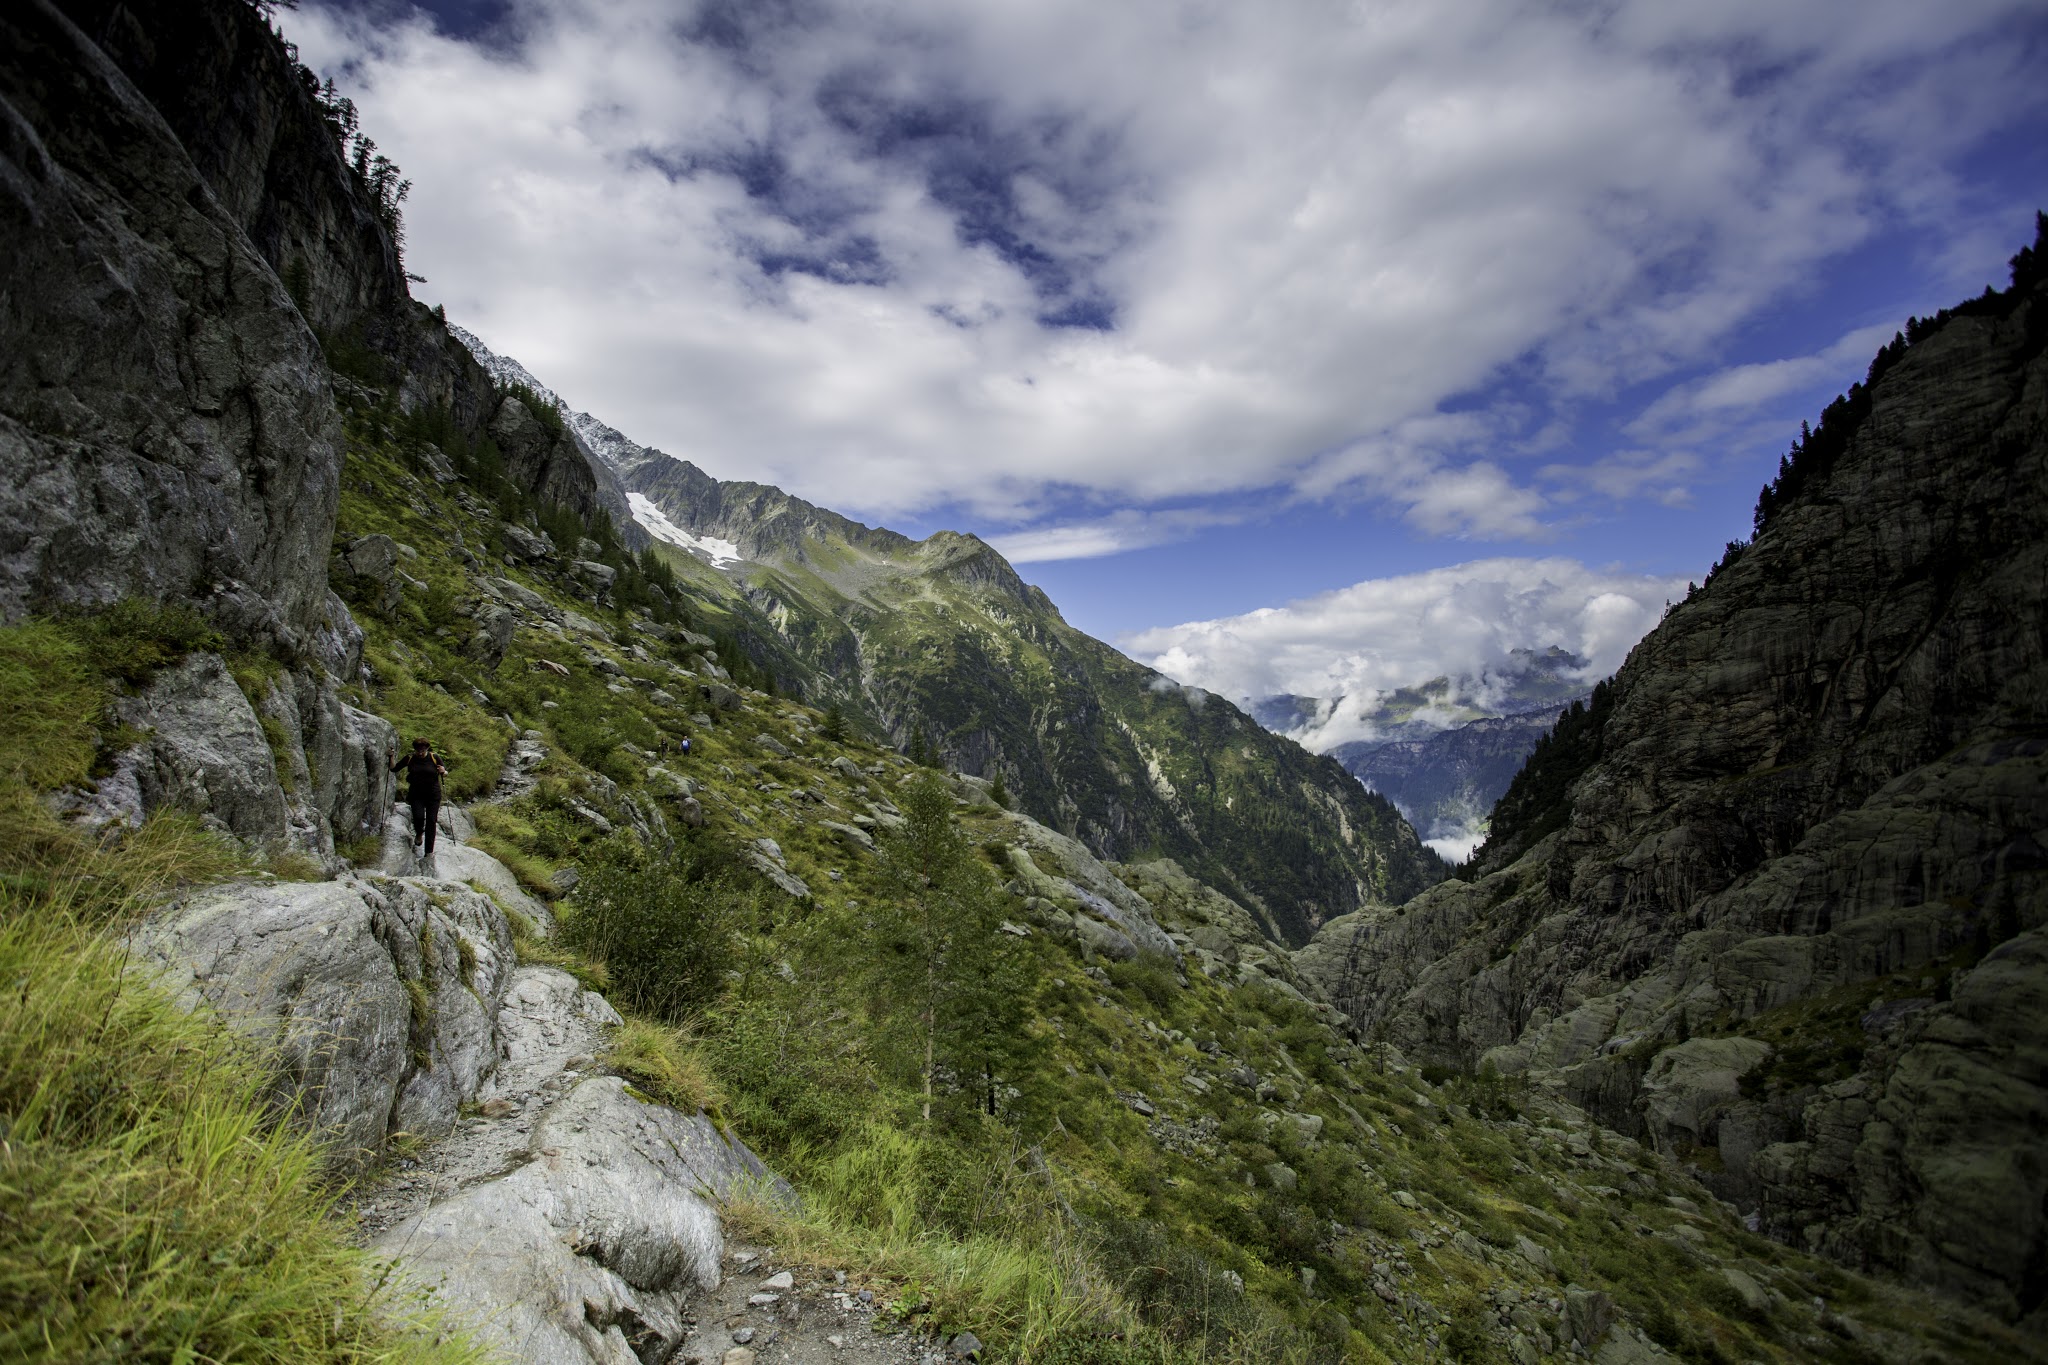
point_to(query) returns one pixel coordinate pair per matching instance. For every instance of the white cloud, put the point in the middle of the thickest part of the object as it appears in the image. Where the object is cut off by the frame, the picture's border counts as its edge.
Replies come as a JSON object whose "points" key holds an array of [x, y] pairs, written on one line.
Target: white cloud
{"points": [[1360, 642], [1127, 529], [1627, 474], [1741, 390], [1307, 227]]}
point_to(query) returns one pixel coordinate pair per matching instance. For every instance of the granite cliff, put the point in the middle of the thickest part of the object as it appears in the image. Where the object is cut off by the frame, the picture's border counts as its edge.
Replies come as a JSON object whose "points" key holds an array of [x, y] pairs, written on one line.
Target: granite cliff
{"points": [[1777, 900]]}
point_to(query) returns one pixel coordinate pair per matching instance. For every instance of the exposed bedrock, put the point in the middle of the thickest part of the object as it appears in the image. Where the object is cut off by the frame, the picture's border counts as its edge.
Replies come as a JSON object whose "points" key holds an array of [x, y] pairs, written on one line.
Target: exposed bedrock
{"points": [[1783, 919]]}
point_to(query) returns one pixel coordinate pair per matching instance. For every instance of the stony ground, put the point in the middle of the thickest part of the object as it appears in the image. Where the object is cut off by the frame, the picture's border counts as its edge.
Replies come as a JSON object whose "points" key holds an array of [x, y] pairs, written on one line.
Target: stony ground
{"points": [[769, 1314], [553, 1032]]}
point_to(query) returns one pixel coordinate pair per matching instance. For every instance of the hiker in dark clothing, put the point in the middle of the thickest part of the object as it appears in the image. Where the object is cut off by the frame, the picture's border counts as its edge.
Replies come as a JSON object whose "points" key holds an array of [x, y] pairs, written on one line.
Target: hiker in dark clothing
{"points": [[423, 773]]}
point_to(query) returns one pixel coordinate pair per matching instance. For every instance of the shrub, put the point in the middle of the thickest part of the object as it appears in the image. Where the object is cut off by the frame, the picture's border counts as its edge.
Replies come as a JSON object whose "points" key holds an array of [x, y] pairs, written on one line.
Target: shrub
{"points": [[663, 927], [793, 1078]]}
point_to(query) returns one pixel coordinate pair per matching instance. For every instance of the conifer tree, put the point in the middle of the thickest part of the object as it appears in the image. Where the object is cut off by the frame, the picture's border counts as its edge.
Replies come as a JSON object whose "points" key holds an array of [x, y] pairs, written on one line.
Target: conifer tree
{"points": [[964, 985]]}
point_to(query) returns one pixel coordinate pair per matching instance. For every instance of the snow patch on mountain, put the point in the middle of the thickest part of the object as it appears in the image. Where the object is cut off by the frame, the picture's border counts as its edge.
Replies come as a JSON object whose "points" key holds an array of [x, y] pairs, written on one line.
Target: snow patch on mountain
{"points": [[722, 553]]}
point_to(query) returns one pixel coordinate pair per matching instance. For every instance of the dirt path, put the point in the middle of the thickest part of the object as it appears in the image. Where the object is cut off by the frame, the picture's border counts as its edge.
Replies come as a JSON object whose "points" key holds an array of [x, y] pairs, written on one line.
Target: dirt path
{"points": [[810, 1317]]}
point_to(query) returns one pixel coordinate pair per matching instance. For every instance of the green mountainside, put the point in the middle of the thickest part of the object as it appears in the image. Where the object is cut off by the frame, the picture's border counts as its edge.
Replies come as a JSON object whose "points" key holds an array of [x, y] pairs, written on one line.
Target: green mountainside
{"points": [[1252, 1181], [941, 640], [940, 643]]}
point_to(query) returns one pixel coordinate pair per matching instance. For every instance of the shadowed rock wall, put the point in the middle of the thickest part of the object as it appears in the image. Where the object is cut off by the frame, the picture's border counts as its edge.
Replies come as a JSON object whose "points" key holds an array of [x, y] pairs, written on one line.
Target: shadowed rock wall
{"points": [[1789, 923]]}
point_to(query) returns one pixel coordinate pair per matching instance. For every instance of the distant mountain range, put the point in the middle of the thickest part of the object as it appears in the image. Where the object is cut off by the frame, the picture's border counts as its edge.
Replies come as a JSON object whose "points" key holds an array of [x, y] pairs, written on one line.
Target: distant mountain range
{"points": [[1444, 751]]}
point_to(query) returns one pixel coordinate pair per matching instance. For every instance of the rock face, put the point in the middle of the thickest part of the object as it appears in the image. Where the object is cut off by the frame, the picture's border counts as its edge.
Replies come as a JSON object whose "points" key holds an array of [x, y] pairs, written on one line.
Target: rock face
{"points": [[377, 997], [1776, 899], [166, 424]]}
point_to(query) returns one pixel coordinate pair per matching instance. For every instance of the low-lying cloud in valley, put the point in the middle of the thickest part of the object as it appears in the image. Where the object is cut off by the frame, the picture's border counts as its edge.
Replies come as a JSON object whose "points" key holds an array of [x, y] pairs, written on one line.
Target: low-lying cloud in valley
{"points": [[1463, 622]]}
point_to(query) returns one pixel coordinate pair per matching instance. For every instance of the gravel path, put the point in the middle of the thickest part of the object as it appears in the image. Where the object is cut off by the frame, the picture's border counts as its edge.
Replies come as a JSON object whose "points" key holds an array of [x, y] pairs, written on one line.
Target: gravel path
{"points": [[812, 1317]]}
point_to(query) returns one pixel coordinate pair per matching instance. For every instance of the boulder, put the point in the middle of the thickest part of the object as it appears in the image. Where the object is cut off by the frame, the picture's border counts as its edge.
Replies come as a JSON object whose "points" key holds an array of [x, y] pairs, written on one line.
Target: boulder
{"points": [[592, 1249], [495, 627], [1105, 939], [853, 836], [373, 562], [205, 751], [377, 999], [599, 576], [1588, 1313], [1082, 878]]}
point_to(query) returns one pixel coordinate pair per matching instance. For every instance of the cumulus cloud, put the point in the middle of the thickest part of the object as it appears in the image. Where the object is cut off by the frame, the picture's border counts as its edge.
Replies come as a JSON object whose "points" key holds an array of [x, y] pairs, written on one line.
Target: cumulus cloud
{"points": [[1352, 646], [902, 254]]}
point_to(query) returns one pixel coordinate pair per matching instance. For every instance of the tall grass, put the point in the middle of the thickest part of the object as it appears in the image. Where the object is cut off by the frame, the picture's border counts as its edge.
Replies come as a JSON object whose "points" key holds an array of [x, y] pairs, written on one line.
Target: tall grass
{"points": [[148, 1207], [151, 1208]]}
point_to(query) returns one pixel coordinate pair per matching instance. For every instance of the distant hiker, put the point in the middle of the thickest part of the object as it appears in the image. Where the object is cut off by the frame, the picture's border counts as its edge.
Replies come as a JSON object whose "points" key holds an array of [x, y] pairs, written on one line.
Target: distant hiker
{"points": [[423, 773], [686, 746]]}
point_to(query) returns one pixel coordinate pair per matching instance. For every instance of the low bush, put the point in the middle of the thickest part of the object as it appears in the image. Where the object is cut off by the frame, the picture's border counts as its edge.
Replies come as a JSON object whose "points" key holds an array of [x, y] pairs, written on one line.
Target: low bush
{"points": [[663, 926]]}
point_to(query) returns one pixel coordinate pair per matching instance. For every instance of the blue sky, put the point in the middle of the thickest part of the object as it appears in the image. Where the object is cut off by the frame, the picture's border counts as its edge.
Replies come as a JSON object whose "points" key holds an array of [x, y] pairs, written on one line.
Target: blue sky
{"points": [[1261, 337]]}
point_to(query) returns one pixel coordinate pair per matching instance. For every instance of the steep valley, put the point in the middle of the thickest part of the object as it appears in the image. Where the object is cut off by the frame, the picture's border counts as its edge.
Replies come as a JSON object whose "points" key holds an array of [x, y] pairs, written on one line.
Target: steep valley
{"points": [[843, 911]]}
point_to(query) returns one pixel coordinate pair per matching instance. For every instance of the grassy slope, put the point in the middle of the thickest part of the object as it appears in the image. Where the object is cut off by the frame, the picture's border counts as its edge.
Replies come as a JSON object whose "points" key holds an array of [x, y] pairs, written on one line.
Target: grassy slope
{"points": [[945, 638], [1073, 1226]]}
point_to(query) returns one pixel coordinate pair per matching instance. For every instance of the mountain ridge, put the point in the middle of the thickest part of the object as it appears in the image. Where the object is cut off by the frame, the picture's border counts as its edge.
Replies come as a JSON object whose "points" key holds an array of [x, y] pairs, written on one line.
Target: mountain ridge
{"points": [[1772, 899], [942, 639]]}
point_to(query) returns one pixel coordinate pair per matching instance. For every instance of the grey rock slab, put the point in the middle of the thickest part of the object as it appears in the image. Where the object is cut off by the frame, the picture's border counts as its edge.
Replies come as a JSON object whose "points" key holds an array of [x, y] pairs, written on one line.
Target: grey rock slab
{"points": [[1080, 876], [376, 1001], [546, 1021], [457, 862], [205, 750], [349, 753], [785, 881], [527, 544], [1690, 1085], [853, 836], [525, 599], [613, 1218], [1104, 938]]}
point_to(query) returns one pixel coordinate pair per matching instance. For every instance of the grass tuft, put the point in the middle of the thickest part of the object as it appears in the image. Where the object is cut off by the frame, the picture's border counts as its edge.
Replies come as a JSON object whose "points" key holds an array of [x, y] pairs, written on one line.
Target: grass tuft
{"points": [[665, 1062]]}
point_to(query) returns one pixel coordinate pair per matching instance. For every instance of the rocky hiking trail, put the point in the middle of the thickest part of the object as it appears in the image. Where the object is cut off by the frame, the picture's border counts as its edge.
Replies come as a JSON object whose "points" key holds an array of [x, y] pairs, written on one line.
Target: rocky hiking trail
{"points": [[565, 1218], [797, 1315]]}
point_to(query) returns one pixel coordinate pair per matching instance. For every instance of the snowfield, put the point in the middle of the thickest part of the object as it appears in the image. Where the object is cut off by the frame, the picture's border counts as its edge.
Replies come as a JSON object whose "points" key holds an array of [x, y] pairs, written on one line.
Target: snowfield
{"points": [[722, 553]]}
